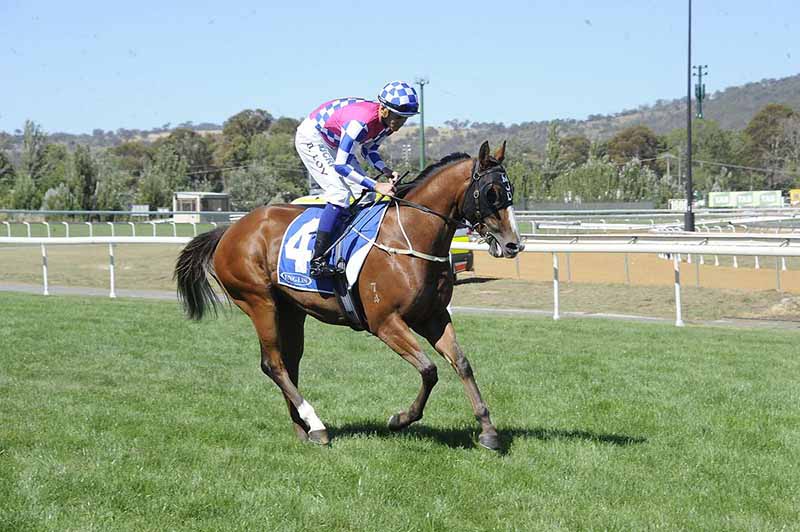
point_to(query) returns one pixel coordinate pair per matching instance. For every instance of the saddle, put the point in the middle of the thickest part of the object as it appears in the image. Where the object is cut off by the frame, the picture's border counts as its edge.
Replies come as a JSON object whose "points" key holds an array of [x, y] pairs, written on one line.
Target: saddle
{"points": [[347, 255]]}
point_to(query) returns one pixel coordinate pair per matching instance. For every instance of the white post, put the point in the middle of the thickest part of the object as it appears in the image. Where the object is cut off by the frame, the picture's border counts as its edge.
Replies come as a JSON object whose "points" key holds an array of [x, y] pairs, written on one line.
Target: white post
{"points": [[716, 260], [689, 258], [555, 287], [91, 231], [758, 265], [214, 224], [778, 274], [154, 227], [46, 292], [8, 227], [194, 229], [133, 228], [28, 225], [783, 263], [112, 293], [66, 229], [47, 224], [678, 317], [735, 262], [112, 228], [174, 229]]}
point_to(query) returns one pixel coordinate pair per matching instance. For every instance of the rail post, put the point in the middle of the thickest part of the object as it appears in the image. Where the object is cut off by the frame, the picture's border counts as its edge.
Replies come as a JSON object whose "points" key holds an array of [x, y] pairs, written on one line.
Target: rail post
{"points": [[678, 317], [556, 314], [28, 225], [112, 293], [46, 291], [8, 228], [66, 229]]}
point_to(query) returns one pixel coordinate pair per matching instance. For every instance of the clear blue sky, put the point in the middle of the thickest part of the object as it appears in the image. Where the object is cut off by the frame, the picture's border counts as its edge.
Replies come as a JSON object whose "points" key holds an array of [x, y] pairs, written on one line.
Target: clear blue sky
{"points": [[75, 66]]}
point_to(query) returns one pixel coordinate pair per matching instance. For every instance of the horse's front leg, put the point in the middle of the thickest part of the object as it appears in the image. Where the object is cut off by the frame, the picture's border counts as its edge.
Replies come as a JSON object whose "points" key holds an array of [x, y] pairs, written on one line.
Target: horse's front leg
{"points": [[440, 333], [395, 333]]}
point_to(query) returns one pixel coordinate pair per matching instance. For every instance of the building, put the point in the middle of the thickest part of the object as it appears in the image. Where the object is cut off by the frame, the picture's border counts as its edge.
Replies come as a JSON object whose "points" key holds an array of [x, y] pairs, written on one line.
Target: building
{"points": [[201, 207]]}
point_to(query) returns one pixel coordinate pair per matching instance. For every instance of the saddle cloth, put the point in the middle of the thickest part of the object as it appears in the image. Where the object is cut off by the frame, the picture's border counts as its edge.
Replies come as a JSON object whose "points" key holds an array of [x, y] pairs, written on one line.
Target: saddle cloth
{"points": [[297, 249]]}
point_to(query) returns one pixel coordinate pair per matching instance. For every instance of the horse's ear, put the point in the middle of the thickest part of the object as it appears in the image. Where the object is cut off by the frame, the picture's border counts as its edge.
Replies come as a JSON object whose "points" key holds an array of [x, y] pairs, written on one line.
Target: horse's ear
{"points": [[483, 155], [500, 154]]}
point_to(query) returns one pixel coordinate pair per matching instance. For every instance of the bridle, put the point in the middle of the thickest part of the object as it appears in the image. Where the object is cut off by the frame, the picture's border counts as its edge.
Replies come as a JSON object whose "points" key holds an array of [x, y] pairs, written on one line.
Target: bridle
{"points": [[476, 204]]}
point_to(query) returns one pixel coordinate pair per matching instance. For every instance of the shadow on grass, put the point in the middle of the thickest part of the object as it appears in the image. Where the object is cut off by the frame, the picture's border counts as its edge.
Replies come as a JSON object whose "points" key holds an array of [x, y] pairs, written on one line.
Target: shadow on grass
{"points": [[467, 438]]}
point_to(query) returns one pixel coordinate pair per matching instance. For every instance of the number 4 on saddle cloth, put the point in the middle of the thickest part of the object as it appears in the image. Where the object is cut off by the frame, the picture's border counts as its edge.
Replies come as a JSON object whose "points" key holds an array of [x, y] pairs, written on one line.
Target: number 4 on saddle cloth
{"points": [[297, 249]]}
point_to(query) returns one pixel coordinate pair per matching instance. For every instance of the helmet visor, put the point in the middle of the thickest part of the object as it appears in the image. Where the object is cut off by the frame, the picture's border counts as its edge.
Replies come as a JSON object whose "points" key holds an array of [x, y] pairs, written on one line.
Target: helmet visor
{"points": [[406, 109]]}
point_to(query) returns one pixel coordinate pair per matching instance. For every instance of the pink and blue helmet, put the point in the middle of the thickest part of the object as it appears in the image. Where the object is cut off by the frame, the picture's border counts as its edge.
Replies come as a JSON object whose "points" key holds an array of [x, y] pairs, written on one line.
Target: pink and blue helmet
{"points": [[400, 98]]}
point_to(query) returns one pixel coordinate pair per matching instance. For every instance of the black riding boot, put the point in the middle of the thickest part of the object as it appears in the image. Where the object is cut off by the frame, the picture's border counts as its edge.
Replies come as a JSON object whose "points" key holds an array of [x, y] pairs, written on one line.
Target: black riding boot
{"points": [[319, 266]]}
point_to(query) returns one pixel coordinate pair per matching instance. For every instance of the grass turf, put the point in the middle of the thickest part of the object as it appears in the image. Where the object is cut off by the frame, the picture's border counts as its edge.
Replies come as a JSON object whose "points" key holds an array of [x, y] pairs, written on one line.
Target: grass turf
{"points": [[121, 415]]}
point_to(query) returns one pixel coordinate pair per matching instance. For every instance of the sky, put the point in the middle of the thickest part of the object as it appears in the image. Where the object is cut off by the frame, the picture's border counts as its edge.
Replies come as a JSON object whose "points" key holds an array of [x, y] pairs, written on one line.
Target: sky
{"points": [[76, 66]]}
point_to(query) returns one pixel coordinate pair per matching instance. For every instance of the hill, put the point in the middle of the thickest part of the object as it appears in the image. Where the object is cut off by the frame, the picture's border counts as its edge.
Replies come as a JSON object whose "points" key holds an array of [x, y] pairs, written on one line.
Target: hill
{"points": [[732, 108]]}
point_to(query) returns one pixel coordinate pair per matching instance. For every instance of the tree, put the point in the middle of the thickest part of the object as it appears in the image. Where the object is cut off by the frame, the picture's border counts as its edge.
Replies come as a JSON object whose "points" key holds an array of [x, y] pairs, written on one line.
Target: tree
{"points": [[112, 185], [24, 195], [31, 167], [237, 133], [574, 150], [166, 174], [635, 142], [285, 126], [7, 175], [762, 133], [82, 178], [57, 159], [59, 198], [195, 151], [132, 156]]}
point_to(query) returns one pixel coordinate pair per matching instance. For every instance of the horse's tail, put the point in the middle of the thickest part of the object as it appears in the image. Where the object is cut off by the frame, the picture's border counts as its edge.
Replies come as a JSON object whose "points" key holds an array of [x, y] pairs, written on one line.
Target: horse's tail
{"points": [[194, 290]]}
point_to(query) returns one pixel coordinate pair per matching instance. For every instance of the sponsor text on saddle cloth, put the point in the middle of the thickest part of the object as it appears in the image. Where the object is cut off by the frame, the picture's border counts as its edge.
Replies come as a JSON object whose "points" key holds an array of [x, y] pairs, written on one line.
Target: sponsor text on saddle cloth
{"points": [[297, 248]]}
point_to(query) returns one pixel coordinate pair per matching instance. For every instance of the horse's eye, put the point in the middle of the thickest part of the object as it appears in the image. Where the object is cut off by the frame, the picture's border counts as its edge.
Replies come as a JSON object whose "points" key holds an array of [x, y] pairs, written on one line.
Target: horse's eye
{"points": [[491, 196]]}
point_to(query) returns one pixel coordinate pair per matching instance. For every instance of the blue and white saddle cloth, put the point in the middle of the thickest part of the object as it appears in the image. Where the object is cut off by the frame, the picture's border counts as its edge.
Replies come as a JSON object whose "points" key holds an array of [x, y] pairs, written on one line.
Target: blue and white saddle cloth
{"points": [[297, 249]]}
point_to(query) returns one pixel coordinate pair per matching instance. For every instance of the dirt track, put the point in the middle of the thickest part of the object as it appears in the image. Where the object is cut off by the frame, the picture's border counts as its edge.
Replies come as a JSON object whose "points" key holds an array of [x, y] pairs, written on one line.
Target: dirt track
{"points": [[645, 269]]}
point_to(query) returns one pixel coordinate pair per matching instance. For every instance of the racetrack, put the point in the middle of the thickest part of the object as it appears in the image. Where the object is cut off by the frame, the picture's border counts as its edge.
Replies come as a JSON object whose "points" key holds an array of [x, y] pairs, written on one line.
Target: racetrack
{"points": [[122, 415]]}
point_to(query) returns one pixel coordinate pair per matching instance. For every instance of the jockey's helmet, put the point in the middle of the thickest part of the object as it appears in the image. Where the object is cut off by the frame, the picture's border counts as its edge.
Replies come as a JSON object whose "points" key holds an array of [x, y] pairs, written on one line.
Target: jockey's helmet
{"points": [[400, 98]]}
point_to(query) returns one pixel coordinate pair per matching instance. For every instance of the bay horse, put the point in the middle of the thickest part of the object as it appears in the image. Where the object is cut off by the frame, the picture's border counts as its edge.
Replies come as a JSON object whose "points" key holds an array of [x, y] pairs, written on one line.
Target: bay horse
{"points": [[399, 292]]}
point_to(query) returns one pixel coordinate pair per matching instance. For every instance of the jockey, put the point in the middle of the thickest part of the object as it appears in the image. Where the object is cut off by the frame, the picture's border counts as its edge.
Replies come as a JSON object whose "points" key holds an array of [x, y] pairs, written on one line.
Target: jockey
{"points": [[326, 142]]}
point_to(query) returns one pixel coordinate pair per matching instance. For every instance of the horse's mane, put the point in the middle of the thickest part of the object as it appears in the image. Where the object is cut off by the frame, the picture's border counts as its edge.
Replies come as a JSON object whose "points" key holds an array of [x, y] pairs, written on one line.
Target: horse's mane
{"points": [[405, 188]]}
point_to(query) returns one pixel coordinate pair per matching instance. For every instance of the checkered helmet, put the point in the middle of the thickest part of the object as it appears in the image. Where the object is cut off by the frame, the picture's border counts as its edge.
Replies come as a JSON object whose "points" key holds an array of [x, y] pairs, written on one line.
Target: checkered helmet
{"points": [[400, 98]]}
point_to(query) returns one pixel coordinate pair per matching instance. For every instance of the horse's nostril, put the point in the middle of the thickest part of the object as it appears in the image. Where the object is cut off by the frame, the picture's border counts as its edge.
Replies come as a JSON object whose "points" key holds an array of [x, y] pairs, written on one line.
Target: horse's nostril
{"points": [[512, 246]]}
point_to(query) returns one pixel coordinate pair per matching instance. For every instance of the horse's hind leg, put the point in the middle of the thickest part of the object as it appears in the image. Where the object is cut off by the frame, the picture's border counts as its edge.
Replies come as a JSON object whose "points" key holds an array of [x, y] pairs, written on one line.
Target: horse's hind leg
{"points": [[396, 334], [291, 335], [283, 371], [440, 333]]}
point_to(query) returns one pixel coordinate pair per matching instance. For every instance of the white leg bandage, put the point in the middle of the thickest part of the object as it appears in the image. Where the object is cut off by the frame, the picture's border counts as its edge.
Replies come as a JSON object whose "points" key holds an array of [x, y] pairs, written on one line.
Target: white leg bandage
{"points": [[306, 412]]}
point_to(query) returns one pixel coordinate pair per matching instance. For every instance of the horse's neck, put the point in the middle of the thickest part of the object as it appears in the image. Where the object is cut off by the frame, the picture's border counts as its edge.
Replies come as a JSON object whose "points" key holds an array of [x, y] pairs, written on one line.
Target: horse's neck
{"points": [[442, 192]]}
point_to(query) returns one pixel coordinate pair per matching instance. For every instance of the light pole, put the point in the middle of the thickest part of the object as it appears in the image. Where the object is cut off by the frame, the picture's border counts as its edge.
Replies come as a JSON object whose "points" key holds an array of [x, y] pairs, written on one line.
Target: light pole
{"points": [[688, 217], [422, 82]]}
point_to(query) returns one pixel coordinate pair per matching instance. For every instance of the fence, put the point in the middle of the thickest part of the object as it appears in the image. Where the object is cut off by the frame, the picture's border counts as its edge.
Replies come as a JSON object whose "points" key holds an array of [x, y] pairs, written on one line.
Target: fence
{"points": [[675, 247]]}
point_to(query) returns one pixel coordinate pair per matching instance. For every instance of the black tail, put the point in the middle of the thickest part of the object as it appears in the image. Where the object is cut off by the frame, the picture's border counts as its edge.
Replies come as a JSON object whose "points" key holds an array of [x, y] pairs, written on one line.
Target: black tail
{"points": [[194, 290]]}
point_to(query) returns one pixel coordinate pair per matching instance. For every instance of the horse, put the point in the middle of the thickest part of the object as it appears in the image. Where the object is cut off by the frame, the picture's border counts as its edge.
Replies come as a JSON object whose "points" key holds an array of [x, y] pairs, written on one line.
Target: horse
{"points": [[401, 290]]}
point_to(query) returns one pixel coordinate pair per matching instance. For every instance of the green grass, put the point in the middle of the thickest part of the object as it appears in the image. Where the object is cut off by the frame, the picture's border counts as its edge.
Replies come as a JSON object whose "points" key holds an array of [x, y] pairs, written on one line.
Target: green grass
{"points": [[121, 415], [58, 229]]}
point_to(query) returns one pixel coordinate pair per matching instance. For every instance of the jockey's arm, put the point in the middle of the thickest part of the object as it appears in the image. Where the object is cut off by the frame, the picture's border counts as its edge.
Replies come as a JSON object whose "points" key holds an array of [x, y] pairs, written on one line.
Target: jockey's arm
{"points": [[370, 153], [345, 163]]}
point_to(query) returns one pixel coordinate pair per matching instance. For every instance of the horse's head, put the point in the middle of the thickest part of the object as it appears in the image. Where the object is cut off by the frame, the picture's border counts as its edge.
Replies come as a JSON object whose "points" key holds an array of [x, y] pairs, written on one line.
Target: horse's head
{"points": [[488, 204]]}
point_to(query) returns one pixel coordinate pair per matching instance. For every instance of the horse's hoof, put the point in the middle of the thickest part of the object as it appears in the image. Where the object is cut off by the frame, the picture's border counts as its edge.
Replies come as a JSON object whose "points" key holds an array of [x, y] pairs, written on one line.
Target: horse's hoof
{"points": [[490, 441], [301, 433], [396, 422], [319, 436]]}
